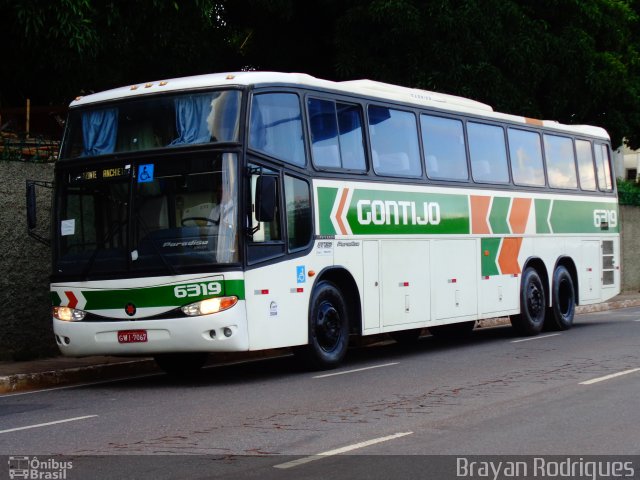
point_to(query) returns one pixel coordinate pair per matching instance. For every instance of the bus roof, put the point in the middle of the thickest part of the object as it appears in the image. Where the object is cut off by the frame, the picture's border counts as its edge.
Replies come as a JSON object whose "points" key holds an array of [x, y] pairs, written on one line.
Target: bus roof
{"points": [[367, 88]]}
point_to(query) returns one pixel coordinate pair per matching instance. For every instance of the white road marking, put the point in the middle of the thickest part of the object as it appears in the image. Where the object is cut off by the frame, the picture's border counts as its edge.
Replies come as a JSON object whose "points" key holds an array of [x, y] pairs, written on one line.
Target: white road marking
{"points": [[608, 377], [355, 370], [535, 338], [47, 424], [338, 451]]}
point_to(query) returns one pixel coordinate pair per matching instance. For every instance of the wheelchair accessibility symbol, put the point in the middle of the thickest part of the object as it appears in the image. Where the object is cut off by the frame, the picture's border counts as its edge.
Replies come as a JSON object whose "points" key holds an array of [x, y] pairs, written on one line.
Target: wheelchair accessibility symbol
{"points": [[300, 273], [145, 173]]}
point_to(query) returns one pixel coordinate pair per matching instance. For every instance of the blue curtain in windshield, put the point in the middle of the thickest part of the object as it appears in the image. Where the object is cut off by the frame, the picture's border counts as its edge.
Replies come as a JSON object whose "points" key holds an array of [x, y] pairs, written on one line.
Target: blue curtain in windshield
{"points": [[99, 129], [191, 119]]}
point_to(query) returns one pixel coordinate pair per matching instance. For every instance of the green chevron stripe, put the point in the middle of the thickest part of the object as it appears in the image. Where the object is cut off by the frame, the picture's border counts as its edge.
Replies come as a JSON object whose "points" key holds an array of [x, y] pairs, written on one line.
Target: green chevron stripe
{"points": [[498, 215], [542, 213], [491, 246]]}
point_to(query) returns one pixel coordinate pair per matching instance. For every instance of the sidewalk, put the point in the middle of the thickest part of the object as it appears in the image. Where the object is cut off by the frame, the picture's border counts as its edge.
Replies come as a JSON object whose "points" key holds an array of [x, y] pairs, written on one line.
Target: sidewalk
{"points": [[65, 371]]}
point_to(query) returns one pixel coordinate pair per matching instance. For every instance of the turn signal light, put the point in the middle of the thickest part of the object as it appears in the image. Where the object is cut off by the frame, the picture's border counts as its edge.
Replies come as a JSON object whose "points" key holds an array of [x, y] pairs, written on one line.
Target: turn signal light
{"points": [[211, 305], [68, 314]]}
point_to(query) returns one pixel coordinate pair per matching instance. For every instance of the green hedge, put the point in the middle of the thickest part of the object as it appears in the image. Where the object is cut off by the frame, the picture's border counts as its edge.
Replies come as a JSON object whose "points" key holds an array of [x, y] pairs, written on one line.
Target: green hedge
{"points": [[628, 192]]}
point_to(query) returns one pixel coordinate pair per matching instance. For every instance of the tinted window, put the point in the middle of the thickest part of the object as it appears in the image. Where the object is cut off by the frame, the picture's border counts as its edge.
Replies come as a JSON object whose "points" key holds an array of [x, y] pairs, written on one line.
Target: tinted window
{"points": [[561, 164], [276, 127], [585, 165], [444, 148], [526, 157], [336, 135], [394, 142], [298, 205], [153, 122], [488, 153], [603, 166]]}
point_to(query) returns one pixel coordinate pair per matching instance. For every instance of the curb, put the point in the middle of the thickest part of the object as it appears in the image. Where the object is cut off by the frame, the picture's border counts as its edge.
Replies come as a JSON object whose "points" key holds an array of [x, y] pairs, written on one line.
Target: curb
{"points": [[22, 382]]}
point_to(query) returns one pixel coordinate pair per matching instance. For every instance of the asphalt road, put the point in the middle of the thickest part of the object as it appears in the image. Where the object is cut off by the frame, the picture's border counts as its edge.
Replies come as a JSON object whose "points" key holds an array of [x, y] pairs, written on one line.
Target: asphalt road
{"points": [[410, 411]]}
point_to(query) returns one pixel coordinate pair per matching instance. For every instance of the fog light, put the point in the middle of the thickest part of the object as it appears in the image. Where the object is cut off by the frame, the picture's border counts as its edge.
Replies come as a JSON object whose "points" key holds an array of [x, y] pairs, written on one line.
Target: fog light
{"points": [[212, 333], [227, 332]]}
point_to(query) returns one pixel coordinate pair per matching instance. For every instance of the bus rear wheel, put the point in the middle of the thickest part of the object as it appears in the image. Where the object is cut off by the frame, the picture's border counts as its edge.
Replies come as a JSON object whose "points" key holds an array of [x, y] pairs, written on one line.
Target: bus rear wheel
{"points": [[328, 328], [533, 304], [563, 301], [176, 364]]}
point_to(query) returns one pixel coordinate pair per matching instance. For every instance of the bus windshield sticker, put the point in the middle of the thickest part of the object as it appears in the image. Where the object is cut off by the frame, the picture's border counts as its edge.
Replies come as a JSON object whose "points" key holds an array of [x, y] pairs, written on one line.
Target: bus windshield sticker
{"points": [[300, 274], [145, 173], [68, 227]]}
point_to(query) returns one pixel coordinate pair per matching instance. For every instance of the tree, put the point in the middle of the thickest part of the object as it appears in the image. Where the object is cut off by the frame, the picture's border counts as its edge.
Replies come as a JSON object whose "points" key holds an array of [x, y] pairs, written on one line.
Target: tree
{"points": [[67, 47], [576, 61]]}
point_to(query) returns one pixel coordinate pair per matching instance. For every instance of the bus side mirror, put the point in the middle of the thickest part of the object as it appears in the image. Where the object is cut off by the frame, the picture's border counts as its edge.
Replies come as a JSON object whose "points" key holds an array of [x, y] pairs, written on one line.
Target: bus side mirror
{"points": [[266, 198], [32, 213]]}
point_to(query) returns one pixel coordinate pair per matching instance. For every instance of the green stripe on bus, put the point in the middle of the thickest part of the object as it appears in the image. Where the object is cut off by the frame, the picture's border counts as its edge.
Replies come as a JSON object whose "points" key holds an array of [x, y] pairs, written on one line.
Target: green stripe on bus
{"points": [[326, 199], [55, 299], [584, 217], [380, 212], [489, 252], [163, 296], [498, 215], [542, 214]]}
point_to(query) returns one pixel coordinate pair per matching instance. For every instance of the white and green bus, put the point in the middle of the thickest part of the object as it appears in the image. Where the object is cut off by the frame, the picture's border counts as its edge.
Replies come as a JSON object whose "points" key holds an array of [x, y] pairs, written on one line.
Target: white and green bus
{"points": [[255, 210]]}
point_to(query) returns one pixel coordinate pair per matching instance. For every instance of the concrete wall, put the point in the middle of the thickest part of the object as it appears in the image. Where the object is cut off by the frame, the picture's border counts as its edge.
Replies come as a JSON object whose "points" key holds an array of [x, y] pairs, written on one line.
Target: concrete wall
{"points": [[630, 223], [25, 323]]}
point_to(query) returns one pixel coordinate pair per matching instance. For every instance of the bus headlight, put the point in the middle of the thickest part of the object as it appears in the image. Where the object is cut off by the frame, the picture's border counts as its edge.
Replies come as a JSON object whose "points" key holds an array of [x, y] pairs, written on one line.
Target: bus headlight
{"points": [[68, 314], [211, 305]]}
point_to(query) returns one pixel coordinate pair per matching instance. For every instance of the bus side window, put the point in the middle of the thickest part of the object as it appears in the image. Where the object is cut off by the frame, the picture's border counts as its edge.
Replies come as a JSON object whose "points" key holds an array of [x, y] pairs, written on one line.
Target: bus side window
{"points": [[336, 135], [276, 127], [585, 165], [603, 167], [444, 148], [298, 205], [561, 162], [488, 153], [526, 157], [394, 142]]}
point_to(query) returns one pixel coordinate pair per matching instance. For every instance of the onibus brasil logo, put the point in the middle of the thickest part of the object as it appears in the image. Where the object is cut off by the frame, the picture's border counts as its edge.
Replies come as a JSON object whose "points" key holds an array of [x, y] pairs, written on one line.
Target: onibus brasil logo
{"points": [[40, 469]]}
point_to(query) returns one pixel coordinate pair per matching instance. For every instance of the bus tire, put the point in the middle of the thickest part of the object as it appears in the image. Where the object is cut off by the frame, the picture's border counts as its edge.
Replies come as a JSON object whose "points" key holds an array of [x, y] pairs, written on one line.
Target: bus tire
{"points": [[453, 330], [532, 304], [328, 328], [177, 364], [563, 301]]}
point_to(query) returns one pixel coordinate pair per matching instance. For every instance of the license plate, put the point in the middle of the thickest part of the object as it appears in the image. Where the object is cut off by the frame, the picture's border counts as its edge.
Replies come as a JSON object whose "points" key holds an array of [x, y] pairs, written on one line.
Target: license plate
{"points": [[132, 336]]}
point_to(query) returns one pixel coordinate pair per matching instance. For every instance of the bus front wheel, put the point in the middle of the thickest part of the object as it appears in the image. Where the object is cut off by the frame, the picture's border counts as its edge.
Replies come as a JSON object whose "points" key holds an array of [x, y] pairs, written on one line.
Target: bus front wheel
{"points": [[533, 304], [328, 328], [563, 301]]}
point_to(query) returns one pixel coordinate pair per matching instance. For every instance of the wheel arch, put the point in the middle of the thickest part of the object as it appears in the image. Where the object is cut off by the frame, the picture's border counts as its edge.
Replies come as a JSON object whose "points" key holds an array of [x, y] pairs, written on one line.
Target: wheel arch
{"points": [[344, 281]]}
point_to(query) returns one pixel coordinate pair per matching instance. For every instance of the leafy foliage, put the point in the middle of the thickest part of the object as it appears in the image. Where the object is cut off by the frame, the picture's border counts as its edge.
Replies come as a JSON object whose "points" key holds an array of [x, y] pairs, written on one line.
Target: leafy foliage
{"points": [[576, 61]]}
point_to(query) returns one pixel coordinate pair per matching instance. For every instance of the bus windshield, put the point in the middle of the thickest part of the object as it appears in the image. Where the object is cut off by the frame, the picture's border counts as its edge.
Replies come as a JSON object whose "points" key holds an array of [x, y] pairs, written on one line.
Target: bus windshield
{"points": [[153, 122], [163, 217]]}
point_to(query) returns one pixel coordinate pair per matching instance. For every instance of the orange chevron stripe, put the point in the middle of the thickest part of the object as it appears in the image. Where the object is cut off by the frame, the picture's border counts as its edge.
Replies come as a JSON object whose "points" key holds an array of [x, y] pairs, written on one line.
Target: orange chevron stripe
{"points": [[519, 214], [508, 256], [343, 200], [479, 210]]}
